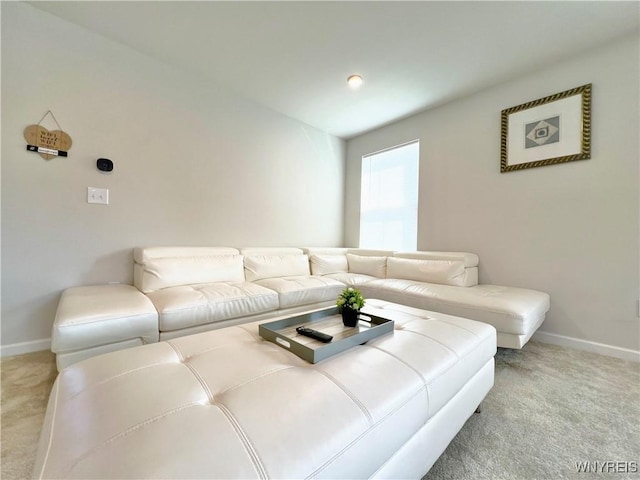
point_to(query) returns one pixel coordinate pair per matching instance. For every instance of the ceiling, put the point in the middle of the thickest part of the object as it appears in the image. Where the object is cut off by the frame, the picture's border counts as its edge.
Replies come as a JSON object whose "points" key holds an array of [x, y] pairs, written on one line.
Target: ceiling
{"points": [[295, 57]]}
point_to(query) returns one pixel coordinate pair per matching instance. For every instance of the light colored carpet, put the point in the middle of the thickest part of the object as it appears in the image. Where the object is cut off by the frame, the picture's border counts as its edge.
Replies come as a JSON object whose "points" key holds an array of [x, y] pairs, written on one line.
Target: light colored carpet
{"points": [[26, 384], [550, 408]]}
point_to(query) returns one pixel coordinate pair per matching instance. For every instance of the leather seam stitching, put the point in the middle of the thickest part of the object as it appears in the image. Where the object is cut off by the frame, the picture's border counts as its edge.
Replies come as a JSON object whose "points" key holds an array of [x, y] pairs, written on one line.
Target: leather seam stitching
{"points": [[107, 319], [475, 334], [194, 372], [202, 352], [107, 380], [201, 381], [424, 380], [346, 391], [367, 431], [206, 307], [176, 350], [442, 320], [441, 373], [249, 380], [423, 335], [249, 448], [132, 429]]}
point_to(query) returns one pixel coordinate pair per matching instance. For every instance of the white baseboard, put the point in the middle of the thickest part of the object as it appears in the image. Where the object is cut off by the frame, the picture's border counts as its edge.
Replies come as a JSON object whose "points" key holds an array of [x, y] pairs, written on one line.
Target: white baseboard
{"points": [[543, 337], [586, 345], [25, 347]]}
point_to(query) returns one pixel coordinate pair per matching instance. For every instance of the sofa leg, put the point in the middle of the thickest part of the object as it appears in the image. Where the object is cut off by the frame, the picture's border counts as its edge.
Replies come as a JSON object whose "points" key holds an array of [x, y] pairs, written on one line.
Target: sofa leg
{"points": [[479, 409]]}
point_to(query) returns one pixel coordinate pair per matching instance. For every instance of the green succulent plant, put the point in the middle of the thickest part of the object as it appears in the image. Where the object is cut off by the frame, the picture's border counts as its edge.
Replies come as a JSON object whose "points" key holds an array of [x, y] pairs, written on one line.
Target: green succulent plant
{"points": [[350, 298]]}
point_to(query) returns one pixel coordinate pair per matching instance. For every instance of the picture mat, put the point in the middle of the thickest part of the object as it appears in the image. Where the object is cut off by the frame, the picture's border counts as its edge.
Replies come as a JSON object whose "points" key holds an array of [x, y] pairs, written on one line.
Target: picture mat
{"points": [[570, 112]]}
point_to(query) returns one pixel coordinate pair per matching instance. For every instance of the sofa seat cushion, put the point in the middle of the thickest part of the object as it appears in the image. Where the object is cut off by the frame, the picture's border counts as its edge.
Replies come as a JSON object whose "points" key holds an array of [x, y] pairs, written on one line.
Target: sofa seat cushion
{"points": [[190, 305], [303, 290], [509, 309], [226, 404]]}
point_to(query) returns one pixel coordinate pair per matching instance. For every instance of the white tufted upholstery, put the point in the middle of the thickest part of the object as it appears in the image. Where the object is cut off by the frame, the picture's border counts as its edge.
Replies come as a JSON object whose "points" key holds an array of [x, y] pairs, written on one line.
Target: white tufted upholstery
{"points": [[189, 305], [226, 404], [295, 291]]}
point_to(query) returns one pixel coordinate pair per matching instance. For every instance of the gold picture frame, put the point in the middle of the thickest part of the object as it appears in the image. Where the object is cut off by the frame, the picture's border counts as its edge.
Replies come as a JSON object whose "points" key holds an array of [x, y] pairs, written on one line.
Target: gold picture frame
{"points": [[550, 130]]}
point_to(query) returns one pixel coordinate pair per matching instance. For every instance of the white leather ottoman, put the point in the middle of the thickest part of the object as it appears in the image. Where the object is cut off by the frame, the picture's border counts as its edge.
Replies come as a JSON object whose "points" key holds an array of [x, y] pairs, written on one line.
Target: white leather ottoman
{"points": [[100, 319], [226, 404]]}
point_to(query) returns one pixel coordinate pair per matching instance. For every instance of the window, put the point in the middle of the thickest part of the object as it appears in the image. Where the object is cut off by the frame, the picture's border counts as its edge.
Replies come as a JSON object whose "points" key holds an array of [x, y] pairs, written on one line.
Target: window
{"points": [[389, 199]]}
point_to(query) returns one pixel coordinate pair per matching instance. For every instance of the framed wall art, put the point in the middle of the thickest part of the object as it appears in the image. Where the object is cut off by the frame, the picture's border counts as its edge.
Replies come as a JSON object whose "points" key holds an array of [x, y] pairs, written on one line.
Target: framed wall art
{"points": [[550, 130]]}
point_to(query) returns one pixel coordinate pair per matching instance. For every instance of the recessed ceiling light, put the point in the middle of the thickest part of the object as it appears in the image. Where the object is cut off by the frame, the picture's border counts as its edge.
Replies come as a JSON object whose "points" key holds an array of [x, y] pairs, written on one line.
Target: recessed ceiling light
{"points": [[354, 81]]}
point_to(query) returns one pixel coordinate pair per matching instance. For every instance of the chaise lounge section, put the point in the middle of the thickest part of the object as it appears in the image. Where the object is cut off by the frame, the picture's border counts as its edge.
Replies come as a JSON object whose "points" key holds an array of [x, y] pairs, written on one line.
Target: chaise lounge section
{"points": [[187, 290], [433, 281]]}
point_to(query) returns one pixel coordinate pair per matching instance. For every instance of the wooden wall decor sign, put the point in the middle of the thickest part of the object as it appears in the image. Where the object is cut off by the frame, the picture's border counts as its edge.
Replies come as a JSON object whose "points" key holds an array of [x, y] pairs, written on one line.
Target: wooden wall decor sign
{"points": [[48, 143]]}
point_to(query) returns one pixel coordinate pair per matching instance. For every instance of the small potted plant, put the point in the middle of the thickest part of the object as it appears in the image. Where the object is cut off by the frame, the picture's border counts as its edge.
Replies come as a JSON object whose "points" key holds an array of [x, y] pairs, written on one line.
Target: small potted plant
{"points": [[349, 302]]}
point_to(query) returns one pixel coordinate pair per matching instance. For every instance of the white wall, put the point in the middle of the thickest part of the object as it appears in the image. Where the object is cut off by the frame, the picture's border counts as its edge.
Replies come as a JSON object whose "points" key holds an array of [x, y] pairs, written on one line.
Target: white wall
{"points": [[570, 229], [194, 165]]}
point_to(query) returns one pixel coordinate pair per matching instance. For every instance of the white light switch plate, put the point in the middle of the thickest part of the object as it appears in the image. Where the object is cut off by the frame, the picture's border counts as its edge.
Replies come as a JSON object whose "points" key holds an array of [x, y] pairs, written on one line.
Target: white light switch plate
{"points": [[98, 195]]}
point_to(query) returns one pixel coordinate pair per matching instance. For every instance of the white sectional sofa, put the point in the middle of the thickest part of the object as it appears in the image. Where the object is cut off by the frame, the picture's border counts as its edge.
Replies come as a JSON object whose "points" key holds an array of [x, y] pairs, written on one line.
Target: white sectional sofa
{"points": [[184, 290]]}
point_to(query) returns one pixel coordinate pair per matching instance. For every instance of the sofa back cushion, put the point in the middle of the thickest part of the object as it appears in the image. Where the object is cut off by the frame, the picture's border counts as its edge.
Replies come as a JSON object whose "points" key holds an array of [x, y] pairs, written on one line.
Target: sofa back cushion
{"points": [[257, 267], [325, 251], [445, 272], [163, 267], [470, 260], [367, 265], [326, 264], [254, 251], [369, 252]]}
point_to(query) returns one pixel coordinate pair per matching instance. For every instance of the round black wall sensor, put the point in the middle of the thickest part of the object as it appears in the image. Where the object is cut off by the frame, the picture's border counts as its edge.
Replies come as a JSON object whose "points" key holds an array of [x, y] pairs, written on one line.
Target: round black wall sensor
{"points": [[104, 165]]}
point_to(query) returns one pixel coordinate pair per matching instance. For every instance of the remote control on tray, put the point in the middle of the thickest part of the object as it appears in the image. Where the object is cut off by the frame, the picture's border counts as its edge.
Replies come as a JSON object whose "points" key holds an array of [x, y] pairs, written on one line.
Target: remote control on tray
{"points": [[316, 335]]}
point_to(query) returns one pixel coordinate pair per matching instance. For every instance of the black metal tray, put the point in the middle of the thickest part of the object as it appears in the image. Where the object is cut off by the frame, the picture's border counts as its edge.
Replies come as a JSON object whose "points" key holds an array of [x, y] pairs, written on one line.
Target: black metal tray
{"points": [[282, 332]]}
